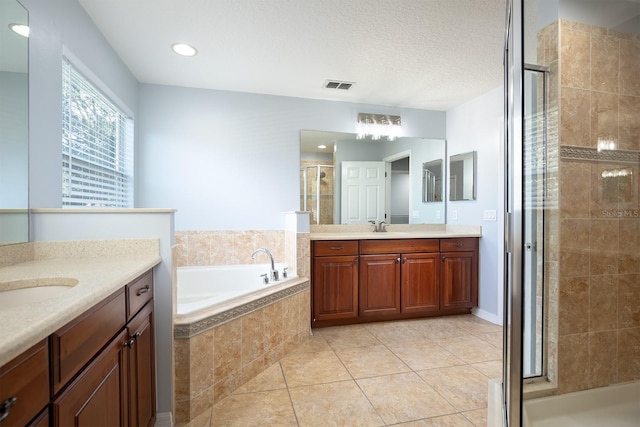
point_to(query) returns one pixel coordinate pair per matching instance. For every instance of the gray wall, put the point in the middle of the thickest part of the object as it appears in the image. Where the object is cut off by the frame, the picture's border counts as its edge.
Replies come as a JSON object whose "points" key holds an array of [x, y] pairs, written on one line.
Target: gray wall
{"points": [[230, 160]]}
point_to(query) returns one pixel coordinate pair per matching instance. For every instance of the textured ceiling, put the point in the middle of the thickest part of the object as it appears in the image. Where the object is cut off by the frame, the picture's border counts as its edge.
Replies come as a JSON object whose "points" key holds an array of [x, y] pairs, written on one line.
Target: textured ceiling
{"points": [[430, 54]]}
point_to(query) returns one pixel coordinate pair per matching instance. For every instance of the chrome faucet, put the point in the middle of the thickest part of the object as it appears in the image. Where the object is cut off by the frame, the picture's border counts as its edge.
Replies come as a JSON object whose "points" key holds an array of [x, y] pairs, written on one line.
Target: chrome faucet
{"points": [[379, 228], [273, 274]]}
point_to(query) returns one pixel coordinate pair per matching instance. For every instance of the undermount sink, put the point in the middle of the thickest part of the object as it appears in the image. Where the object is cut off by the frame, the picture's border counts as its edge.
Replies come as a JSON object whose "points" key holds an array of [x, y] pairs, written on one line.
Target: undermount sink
{"points": [[28, 291]]}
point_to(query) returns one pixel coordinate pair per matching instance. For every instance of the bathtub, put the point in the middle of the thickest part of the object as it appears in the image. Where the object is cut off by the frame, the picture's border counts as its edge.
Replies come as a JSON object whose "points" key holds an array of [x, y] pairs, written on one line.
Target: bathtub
{"points": [[612, 406], [204, 287]]}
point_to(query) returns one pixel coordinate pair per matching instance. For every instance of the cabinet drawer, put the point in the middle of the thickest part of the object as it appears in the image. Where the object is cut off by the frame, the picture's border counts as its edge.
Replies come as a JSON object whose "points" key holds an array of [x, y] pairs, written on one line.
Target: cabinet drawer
{"points": [[25, 378], [138, 293], [459, 245], [335, 247], [73, 345], [395, 246]]}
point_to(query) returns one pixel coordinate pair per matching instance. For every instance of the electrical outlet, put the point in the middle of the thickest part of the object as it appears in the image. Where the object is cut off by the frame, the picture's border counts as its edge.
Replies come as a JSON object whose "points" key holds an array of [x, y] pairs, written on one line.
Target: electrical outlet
{"points": [[490, 215], [454, 215]]}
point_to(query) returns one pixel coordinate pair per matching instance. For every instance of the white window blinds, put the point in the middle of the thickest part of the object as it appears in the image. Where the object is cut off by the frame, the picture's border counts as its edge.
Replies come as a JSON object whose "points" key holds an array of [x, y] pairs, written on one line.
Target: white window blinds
{"points": [[97, 146]]}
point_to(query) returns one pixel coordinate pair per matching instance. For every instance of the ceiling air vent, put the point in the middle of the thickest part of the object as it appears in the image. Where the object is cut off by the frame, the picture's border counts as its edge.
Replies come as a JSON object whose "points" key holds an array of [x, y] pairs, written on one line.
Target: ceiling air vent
{"points": [[337, 84]]}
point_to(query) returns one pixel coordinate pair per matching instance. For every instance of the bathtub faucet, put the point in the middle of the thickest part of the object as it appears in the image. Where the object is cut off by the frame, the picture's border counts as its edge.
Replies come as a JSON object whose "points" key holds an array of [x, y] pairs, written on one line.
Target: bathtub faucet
{"points": [[273, 274]]}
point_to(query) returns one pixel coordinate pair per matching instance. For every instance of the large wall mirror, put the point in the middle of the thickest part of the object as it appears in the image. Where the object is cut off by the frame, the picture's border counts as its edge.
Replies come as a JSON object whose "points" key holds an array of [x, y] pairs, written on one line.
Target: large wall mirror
{"points": [[462, 176], [345, 180], [14, 125]]}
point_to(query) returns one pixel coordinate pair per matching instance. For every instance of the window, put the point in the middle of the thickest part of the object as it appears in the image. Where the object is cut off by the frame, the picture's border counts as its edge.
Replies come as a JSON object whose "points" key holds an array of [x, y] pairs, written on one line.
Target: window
{"points": [[97, 146]]}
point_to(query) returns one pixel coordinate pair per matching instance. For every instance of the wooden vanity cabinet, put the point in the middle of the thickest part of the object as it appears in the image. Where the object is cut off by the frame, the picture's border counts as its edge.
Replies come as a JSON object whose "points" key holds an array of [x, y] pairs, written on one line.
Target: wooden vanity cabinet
{"points": [[334, 280], [141, 368], [24, 387], [398, 276], [459, 273]]}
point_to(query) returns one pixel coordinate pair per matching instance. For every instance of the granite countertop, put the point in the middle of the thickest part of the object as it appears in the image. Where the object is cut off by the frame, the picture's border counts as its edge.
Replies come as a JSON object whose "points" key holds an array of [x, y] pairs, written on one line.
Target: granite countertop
{"points": [[100, 269], [394, 231]]}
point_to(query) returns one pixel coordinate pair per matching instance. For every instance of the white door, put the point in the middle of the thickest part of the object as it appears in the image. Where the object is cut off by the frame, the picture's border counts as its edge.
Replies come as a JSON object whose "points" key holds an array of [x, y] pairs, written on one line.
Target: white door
{"points": [[363, 192]]}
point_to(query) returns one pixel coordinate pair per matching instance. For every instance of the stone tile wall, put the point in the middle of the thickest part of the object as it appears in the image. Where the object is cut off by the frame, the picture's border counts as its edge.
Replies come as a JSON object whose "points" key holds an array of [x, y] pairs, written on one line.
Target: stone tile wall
{"points": [[593, 256]]}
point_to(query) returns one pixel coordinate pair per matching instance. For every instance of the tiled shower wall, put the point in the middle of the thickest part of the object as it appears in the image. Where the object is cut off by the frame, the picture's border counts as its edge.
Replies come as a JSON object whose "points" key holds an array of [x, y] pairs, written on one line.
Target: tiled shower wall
{"points": [[593, 234]]}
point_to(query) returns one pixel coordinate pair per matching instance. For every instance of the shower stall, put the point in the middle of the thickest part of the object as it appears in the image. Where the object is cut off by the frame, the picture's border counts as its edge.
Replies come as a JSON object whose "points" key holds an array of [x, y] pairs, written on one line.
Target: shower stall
{"points": [[317, 192], [572, 228]]}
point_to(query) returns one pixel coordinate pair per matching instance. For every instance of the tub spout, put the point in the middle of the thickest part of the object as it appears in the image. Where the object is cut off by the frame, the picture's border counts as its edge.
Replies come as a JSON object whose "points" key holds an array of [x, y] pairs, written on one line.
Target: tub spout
{"points": [[273, 274]]}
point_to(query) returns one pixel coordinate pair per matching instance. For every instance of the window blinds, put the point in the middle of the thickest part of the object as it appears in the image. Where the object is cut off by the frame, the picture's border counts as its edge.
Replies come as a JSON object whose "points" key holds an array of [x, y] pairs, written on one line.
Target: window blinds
{"points": [[97, 146]]}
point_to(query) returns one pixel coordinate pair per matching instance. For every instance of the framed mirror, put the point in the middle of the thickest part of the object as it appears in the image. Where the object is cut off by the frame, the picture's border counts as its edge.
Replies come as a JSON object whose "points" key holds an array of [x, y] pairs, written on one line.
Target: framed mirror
{"points": [[462, 176], [14, 125], [432, 173], [328, 185]]}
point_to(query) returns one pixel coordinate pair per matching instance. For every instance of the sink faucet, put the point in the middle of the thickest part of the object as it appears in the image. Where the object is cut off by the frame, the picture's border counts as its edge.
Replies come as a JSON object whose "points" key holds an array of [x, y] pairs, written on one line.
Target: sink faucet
{"points": [[379, 228], [273, 274]]}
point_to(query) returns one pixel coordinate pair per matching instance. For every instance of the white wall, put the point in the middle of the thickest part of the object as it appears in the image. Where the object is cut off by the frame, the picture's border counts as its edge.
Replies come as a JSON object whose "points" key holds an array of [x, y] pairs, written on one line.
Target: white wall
{"points": [[477, 125], [230, 160]]}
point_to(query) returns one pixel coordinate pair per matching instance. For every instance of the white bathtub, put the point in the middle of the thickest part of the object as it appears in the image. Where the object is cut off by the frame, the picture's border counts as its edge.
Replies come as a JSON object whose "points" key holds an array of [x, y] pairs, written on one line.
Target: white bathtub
{"points": [[199, 288], [613, 406]]}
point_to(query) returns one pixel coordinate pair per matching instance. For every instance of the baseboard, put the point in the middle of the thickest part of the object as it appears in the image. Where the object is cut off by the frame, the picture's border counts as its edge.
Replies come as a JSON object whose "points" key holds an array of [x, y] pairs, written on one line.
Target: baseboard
{"points": [[490, 317], [163, 419]]}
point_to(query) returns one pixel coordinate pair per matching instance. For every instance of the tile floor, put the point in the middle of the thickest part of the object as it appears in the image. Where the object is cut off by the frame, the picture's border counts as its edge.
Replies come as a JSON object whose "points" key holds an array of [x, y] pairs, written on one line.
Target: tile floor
{"points": [[425, 372]]}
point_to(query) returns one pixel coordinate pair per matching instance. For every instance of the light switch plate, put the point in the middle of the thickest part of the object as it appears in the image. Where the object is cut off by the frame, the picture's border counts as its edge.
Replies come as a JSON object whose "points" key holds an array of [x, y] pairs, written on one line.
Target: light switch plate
{"points": [[490, 215]]}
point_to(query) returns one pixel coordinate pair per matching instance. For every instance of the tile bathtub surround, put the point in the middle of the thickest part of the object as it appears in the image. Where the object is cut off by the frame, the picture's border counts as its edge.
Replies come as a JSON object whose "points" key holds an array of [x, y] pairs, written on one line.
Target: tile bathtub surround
{"points": [[372, 375], [592, 265], [211, 365]]}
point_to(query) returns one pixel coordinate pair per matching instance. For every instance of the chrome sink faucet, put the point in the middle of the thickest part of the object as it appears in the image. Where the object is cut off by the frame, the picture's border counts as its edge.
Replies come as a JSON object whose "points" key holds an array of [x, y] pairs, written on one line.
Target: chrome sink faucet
{"points": [[379, 228], [273, 274]]}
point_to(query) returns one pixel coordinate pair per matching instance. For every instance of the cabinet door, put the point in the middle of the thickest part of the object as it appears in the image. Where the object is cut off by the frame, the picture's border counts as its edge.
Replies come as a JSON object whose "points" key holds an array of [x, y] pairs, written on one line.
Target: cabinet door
{"points": [[420, 283], [379, 285], [335, 287], [142, 398], [459, 280], [98, 396]]}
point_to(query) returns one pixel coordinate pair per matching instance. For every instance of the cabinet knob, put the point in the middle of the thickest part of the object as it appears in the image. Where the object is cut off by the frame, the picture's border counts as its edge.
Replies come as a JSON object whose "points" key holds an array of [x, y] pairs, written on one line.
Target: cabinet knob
{"points": [[4, 409], [398, 259], [136, 335], [129, 343], [143, 290]]}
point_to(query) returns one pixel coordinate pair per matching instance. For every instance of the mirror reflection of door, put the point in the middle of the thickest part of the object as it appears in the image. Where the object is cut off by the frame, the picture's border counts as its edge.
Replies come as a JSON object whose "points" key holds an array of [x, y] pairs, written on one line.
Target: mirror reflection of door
{"points": [[363, 192], [399, 193]]}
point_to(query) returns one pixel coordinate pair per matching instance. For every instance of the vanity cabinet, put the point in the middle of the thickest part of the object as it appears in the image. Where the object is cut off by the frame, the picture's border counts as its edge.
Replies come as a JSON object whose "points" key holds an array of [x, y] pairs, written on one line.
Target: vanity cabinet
{"points": [[394, 279], [24, 387], [335, 280], [99, 369], [459, 273]]}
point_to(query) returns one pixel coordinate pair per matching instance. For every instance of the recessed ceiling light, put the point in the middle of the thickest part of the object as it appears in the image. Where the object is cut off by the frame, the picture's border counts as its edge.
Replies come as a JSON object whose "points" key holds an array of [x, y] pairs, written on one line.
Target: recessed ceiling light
{"points": [[184, 49], [322, 147], [21, 29]]}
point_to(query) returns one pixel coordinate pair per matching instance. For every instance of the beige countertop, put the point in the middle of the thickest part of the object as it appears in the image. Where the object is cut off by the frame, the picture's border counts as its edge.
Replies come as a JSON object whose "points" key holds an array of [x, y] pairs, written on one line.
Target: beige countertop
{"points": [[394, 231], [100, 268]]}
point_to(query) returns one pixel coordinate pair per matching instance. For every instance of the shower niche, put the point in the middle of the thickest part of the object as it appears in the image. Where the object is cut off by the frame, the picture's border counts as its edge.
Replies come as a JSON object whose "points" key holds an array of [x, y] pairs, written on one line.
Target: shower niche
{"points": [[317, 191]]}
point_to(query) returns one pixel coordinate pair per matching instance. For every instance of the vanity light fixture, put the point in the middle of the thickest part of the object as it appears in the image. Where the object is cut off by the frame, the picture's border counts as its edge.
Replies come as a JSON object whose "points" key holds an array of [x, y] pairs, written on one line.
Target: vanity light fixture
{"points": [[378, 126], [20, 29], [184, 49]]}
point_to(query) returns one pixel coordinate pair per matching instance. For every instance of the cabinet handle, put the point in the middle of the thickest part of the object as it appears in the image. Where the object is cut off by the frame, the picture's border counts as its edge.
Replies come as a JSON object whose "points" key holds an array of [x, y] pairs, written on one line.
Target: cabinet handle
{"points": [[4, 409], [143, 290], [129, 343], [398, 259], [336, 248], [459, 245], [135, 336]]}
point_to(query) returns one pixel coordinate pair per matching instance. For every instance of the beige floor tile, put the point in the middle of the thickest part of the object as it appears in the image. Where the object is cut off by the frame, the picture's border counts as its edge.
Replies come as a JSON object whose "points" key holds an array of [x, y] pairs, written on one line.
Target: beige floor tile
{"points": [[422, 354], [462, 386], [493, 338], [455, 420], [334, 404], [372, 361], [270, 379], [349, 337], [404, 397], [266, 408], [202, 420], [301, 369], [491, 369], [477, 417], [438, 328], [314, 344], [475, 325], [389, 333], [471, 349]]}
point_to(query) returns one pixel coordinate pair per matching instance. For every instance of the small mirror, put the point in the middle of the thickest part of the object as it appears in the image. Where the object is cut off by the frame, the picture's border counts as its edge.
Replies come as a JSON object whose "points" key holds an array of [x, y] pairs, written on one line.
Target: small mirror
{"points": [[432, 181], [462, 176]]}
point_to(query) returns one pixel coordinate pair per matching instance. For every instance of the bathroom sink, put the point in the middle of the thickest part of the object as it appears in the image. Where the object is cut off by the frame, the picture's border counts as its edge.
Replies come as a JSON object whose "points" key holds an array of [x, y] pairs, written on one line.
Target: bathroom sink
{"points": [[28, 291]]}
